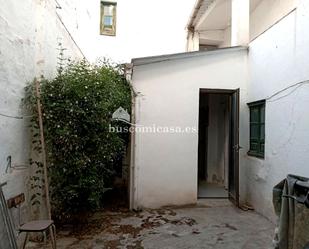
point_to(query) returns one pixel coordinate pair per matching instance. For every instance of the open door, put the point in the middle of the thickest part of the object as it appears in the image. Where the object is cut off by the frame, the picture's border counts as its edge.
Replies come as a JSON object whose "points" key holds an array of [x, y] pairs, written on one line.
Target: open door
{"points": [[218, 151], [234, 149]]}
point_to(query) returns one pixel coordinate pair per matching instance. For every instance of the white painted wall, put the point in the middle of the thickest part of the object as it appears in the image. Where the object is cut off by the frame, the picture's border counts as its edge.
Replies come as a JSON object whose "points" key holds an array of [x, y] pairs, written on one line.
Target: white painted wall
{"points": [[267, 13], [165, 166], [277, 59], [227, 38], [240, 24], [144, 28], [29, 36]]}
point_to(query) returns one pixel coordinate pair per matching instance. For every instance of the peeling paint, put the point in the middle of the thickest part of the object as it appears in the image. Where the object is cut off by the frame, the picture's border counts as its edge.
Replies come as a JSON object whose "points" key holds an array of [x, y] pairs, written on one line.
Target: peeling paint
{"points": [[28, 47], [287, 122]]}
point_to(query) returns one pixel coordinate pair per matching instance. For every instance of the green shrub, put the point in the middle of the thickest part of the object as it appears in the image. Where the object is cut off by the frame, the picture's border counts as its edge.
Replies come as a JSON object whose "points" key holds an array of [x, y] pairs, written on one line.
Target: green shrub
{"points": [[82, 154]]}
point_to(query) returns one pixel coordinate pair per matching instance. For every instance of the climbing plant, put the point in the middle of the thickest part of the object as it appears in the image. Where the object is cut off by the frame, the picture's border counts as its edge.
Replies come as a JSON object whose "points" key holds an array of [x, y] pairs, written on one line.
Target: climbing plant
{"points": [[82, 152]]}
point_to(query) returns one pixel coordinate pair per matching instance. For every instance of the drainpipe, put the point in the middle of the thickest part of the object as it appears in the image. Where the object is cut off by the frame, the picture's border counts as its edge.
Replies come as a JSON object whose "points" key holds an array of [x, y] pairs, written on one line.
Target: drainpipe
{"points": [[133, 180]]}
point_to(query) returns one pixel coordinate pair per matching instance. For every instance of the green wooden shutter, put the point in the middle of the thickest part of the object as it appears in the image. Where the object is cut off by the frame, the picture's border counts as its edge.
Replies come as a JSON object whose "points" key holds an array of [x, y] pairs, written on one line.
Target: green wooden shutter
{"points": [[257, 128]]}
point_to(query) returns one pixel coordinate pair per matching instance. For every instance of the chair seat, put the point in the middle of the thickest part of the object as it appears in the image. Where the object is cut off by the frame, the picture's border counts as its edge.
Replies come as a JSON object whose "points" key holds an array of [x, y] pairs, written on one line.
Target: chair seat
{"points": [[36, 226]]}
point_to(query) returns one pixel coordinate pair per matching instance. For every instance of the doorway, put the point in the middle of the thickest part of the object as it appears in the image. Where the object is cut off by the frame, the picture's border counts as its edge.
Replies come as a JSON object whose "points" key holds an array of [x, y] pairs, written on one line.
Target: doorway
{"points": [[218, 144]]}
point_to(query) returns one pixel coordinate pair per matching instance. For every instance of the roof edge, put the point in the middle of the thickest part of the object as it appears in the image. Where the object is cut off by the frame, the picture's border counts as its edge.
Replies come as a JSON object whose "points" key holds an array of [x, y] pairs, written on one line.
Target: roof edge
{"points": [[168, 57], [195, 12]]}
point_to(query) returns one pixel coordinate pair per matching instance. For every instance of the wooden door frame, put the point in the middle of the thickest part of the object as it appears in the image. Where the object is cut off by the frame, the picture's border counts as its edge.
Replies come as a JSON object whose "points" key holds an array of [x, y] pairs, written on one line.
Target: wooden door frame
{"points": [[232, 148], [229, 92]]}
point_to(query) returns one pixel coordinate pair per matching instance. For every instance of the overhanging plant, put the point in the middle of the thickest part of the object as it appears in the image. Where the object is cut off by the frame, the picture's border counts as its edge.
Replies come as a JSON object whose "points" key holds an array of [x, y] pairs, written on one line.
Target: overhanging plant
{"points": [[82, 153]]}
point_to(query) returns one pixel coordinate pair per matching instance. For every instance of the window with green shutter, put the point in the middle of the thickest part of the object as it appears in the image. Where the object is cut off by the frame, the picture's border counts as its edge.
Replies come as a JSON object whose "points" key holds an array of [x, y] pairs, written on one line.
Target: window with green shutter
{"points": [[257, 128]]}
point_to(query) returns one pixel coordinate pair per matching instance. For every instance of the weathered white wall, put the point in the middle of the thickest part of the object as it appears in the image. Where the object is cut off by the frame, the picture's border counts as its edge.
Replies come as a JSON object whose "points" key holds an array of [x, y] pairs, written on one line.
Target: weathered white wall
{"points": [[277, 59], [267, 13], [166, 163], [240, 24], [144, 28], [29, 36]]}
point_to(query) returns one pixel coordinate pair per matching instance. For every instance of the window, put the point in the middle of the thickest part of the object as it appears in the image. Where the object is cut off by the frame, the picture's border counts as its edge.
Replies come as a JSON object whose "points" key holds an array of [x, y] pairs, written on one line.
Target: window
{"points": [[257, 128], [108, 18]]}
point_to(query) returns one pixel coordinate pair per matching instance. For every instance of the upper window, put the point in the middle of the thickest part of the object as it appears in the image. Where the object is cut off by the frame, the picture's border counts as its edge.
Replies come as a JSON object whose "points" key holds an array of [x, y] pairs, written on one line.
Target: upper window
{"points": [[108, 18], [257, 128]]}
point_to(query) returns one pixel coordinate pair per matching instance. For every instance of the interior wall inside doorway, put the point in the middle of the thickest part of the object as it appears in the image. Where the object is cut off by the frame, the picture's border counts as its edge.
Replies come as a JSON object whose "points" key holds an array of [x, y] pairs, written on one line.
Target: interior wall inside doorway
{"points": [[214, 168]]}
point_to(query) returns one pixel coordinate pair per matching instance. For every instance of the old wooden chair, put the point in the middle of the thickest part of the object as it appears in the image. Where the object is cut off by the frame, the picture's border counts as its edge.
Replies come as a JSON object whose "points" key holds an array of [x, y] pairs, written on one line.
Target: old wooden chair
{"points": [[41, 226]]}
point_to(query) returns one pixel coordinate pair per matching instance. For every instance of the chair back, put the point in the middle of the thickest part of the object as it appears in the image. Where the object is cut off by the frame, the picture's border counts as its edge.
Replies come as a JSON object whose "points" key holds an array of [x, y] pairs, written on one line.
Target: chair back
{"points": [[7, 233]]}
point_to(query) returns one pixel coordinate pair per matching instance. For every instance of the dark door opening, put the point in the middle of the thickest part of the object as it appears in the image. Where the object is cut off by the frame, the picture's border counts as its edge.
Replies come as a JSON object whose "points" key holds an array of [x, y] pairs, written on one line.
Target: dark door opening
{"points": [[218, 144]]}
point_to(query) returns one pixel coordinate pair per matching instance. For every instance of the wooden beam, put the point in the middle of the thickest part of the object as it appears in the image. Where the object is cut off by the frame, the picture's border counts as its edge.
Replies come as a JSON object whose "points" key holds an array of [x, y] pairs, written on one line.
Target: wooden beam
{"points": [[38, 95], [212, 35]]}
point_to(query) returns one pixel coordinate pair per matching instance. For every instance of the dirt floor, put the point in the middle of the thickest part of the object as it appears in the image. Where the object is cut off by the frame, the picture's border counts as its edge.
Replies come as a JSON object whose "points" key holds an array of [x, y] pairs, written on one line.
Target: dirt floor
{"points": [[211, 224]]}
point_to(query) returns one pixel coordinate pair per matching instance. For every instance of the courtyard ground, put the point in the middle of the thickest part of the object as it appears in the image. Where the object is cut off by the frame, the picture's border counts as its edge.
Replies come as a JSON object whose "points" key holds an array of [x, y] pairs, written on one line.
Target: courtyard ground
{"points": [[211, 224]]}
